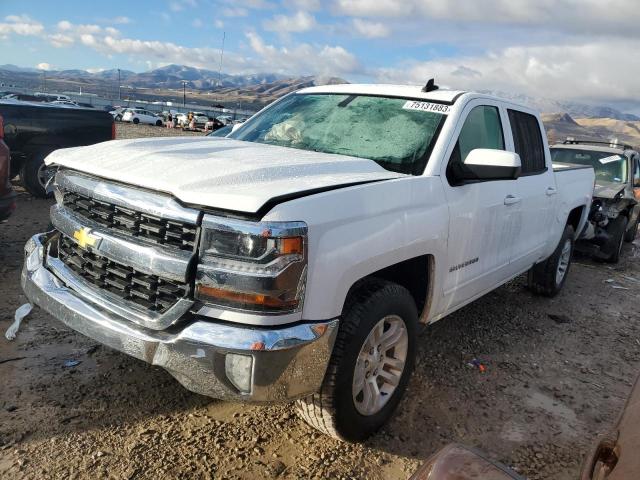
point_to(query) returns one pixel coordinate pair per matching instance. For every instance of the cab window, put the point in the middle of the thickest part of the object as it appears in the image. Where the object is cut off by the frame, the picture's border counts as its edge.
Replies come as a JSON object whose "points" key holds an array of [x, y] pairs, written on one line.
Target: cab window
{"points": [[481, 129]]}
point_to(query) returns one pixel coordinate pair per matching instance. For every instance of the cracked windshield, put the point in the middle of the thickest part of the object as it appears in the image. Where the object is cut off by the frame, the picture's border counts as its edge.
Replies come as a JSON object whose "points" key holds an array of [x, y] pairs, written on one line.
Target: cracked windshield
{"points": [[377, 128]]}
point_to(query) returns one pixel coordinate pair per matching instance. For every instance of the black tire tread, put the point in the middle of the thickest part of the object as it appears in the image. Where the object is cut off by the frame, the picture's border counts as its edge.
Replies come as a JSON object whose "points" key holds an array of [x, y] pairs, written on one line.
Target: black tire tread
{"points": [[541, 278], [318, 410], [29, 175]]}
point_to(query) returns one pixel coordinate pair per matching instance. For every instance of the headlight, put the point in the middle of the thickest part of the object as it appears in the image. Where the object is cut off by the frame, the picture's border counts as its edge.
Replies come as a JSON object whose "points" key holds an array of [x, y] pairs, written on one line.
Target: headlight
{"points": [[254, 266]]}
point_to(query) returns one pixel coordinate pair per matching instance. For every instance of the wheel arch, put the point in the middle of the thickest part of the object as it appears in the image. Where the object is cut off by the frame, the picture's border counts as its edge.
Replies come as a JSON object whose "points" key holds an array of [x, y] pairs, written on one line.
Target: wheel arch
{"points": [[415, 274], [575, 219]]}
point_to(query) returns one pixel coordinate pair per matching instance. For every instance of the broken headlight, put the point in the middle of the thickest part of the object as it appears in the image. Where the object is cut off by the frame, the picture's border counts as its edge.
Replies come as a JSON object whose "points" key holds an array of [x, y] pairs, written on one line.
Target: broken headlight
{"points": [[252, 266]]}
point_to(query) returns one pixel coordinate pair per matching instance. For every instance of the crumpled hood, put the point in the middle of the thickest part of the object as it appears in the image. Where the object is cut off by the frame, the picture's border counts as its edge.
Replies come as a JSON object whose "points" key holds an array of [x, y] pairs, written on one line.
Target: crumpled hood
{"points": [[218, 172], [604, 189]]}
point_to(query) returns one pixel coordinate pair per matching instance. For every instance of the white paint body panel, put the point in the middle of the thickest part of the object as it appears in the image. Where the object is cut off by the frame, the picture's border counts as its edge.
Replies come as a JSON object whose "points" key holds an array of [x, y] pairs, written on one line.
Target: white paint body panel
{"points": [[358, 230], [217, 172]]}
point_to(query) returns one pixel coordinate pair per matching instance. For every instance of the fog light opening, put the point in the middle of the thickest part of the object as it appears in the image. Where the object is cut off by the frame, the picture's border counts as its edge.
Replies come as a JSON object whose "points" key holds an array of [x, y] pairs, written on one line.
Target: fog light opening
{"points": [[238, 369]]}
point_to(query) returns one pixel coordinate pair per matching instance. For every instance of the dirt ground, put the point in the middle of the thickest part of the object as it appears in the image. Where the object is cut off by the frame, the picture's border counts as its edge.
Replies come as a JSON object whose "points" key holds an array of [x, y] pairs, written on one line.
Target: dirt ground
{"points": [[557, 374]]}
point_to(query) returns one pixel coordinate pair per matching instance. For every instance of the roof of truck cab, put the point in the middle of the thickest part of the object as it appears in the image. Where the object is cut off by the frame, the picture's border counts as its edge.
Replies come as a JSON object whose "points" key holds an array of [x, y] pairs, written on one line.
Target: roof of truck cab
{"points": [[406, 91]]}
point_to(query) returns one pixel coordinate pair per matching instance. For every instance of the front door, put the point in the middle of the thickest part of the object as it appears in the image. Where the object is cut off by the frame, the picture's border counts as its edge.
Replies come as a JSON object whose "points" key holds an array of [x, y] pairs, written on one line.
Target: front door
{"points": [[482, 216]]}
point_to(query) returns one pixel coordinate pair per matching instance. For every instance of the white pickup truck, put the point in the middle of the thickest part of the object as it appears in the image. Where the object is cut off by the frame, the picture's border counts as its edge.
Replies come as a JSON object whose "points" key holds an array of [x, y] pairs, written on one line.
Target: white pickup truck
{"points": [[296, 259]]}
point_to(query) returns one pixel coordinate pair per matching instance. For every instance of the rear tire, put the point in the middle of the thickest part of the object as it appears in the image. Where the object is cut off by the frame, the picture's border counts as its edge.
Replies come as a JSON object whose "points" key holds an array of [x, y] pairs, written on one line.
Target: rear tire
{"points": [[341, 407], [34, 175], [547, 278], [617, 229], [630, 235]]}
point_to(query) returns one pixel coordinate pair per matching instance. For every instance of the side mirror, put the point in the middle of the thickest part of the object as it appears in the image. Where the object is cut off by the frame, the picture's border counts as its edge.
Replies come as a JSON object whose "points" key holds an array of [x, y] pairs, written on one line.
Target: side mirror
{"points": [[488, 164]]}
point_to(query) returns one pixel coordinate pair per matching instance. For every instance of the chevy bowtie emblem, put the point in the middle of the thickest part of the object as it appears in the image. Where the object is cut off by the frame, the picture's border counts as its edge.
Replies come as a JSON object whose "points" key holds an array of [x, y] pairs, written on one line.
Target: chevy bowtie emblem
{"points": [[86, 238]]}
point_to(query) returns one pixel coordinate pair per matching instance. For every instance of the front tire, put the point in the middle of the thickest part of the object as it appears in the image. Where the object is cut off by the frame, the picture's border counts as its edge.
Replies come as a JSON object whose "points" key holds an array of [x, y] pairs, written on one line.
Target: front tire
{"points": [[547, 278], [630, 235], [370, 366], [158, 123], [612, 251], [34, 175], [136, 121]]}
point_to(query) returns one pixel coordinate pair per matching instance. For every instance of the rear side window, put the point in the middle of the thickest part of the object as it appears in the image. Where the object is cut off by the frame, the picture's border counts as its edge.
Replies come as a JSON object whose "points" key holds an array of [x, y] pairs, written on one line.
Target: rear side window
{"points": [[528, 143]]}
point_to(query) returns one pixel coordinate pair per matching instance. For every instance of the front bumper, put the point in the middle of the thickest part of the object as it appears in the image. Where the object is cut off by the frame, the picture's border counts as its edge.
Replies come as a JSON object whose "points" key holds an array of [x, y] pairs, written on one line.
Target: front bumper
{"points": [[288, 363]]}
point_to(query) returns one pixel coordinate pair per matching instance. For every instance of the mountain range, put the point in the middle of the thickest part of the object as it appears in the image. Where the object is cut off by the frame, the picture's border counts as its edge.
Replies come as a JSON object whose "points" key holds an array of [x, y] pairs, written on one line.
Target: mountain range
{"points": [[254, 88]]}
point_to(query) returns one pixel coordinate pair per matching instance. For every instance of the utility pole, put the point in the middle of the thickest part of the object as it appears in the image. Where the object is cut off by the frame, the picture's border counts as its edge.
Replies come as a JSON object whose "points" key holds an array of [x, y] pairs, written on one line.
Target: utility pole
{"points": [[119, 84], [184, 93], [224, 35]]}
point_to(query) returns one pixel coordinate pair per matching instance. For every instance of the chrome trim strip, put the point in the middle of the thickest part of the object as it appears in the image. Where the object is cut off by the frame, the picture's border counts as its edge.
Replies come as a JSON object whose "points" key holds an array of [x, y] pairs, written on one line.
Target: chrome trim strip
{"points": [[169, 263], [275, 229], [113, 303], [229, 314], [128, 197], [289, 362]]}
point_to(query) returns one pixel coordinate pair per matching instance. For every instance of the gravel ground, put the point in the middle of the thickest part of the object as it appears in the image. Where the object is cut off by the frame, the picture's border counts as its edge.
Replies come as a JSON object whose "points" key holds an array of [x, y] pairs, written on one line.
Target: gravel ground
{"points": [[557, 374]]}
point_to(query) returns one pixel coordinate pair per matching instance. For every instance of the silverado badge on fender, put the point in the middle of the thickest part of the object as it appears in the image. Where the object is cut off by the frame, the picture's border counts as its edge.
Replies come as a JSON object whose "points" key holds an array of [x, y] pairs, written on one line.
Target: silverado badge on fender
{"points": [[86, 238]]}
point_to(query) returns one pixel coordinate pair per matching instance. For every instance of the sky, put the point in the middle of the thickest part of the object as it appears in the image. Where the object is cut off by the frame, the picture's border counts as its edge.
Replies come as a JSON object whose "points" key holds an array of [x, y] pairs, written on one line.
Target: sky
{"points": [[562, 49]]}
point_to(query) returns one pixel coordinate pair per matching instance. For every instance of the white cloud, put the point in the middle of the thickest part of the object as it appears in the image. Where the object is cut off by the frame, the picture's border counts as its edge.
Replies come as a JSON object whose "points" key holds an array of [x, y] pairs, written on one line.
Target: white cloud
{"points": [[64, 25], [234, 12], [43, 66], [197, 23], [605, 69], [585, 16], [304, 58], [369, 29], [296, 23], [20, 25], [218, 23], [304, 4], [60, 40]]}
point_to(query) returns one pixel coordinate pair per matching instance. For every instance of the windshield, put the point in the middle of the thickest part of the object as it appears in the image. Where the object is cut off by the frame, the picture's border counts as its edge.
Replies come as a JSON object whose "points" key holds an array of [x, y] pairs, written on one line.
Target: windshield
{"points": [[609, 167], [393, 132]]}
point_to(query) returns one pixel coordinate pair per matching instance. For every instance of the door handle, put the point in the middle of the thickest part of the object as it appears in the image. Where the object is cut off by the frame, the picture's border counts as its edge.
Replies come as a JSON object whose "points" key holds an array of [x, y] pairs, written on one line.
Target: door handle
{"points": [[511, 199], [551, 191]]}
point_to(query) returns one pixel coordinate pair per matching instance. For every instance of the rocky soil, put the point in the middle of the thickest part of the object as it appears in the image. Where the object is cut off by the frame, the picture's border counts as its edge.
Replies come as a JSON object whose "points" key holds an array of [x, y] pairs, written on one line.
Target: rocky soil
{"points": [[557, 374]]}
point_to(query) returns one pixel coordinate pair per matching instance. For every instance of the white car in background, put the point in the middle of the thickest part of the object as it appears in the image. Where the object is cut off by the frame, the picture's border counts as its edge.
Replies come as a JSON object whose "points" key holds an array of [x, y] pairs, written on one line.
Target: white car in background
{"points": [[201, 119], [67, 103], [140, 115], [226, 119]]}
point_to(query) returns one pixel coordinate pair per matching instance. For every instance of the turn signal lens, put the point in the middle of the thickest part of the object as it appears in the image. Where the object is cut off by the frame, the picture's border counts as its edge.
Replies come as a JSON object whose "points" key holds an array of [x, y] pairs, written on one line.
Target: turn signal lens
{"points": [[291, 245], [219, 295]]}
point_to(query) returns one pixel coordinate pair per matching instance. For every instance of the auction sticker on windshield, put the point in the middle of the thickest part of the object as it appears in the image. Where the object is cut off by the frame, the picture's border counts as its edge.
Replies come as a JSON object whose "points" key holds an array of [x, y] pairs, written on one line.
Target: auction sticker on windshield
{"points": [[426, 107], [612, 158]]}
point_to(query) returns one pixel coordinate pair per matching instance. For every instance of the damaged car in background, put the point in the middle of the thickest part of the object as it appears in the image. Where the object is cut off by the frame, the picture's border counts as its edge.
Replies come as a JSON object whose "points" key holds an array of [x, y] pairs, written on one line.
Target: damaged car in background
{"points": [[615, 210]]}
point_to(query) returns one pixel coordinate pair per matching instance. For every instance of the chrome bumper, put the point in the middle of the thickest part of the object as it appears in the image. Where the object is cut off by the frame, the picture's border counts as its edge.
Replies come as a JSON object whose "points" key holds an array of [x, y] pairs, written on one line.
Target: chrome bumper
{"points": [[288, 363]]}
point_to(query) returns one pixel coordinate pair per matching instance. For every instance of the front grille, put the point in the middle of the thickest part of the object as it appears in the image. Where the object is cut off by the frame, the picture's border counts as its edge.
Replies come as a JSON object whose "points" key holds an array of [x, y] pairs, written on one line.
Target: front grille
{"points": [[150, 291], [133, 223]]}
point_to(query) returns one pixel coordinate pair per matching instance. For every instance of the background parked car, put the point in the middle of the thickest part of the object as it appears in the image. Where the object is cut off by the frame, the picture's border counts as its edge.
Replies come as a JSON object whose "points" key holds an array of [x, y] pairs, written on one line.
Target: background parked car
{"points": [[615, 211], [33, 130], [7, 195], [140, 115]]}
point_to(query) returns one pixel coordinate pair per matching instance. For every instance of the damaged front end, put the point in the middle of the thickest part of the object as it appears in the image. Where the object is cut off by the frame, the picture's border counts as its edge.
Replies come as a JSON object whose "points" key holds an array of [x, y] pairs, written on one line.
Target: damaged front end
{"points": [[610, 217]]}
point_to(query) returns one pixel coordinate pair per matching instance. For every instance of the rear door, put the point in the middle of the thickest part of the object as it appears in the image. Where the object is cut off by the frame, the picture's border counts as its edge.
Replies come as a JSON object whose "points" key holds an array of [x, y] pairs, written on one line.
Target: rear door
{"points": [[480, 216], [535, 190]]}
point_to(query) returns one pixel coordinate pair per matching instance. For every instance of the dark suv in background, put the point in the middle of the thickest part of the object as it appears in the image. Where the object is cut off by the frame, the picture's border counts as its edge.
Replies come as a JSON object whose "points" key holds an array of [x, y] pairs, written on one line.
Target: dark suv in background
{"points": [[615, 210], [34, 130], [7, 195]]}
